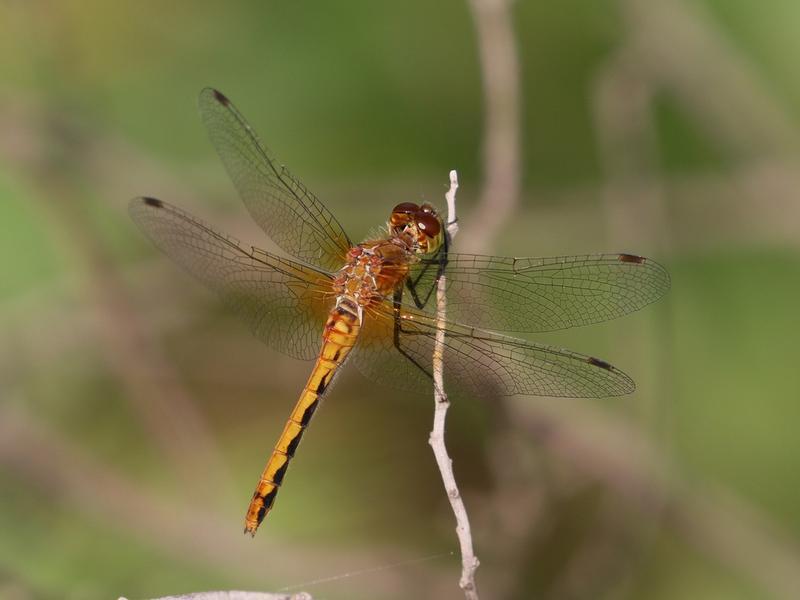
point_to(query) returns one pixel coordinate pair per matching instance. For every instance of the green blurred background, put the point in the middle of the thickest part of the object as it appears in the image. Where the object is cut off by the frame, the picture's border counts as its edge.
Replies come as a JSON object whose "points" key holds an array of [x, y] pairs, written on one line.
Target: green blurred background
{"points": [[136, 414]]}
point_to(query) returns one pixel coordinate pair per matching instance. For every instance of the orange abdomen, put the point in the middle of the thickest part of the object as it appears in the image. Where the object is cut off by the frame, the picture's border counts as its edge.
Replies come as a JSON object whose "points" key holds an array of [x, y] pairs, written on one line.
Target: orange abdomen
{"points": [[339, 337]]}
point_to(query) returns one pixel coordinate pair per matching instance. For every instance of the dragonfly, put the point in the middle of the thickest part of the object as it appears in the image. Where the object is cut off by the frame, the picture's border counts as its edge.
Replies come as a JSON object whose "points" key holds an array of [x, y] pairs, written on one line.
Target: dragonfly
{"points": [[372, 304]]}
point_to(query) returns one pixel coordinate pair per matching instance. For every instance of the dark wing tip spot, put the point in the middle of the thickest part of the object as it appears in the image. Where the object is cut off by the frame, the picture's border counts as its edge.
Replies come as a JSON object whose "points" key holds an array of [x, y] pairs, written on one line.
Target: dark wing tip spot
{"points": [[599, 363], [154, 202], [221, 98], [631, 258]]}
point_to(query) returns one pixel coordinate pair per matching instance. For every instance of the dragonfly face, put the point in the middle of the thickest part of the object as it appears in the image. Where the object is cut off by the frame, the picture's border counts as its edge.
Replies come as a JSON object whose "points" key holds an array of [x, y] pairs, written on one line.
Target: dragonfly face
{"points": [[421, 224], [371, 302]]}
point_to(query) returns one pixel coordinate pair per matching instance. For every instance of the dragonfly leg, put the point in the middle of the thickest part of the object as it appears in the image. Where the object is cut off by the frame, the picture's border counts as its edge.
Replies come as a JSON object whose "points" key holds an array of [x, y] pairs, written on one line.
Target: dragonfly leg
{"points": [[440, 260], [398, 329]]}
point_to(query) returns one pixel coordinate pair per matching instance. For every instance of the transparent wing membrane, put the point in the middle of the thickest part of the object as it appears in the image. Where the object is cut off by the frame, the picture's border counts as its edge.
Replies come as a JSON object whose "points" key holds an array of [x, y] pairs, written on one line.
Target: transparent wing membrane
{"points": [[284, 303], [477, 362], [542, 294], [281, 205]]}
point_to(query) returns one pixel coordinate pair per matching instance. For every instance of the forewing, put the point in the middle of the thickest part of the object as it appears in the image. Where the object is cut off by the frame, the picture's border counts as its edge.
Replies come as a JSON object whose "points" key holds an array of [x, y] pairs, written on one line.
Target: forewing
{"points": [[283, 302], [533, 295], [478, 362], [281, 205]]}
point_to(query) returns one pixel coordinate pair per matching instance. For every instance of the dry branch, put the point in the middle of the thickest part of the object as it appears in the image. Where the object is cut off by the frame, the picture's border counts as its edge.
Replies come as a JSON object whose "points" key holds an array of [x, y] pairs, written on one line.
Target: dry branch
{"points": [[469, 562], [236, 595]]}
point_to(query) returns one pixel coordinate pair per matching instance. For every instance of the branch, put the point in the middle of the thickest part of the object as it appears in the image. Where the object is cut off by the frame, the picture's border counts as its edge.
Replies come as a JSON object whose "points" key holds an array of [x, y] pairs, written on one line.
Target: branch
{"points": [[236, 595], [499, 62], [469, 562]]}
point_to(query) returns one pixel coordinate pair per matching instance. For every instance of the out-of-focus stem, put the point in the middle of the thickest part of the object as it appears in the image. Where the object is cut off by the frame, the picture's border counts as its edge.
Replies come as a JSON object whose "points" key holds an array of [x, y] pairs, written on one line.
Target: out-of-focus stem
{"points": [[501, 137]]}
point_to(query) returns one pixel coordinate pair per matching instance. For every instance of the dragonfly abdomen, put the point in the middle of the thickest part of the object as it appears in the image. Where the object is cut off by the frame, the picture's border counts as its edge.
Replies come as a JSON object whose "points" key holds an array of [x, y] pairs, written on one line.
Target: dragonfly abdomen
{"points": [[338, 338]]}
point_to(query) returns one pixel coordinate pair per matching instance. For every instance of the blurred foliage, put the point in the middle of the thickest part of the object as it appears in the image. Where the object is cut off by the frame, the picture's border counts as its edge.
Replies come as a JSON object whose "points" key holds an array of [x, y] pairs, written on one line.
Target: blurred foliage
{"points": [[370, 106]]}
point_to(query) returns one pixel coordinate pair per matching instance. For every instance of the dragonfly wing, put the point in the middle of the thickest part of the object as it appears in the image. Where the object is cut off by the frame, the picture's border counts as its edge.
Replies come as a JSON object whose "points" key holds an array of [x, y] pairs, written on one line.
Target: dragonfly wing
{"points": [[478, 362], [281, 205], [283, 302], [378, 358], [534, 295]]}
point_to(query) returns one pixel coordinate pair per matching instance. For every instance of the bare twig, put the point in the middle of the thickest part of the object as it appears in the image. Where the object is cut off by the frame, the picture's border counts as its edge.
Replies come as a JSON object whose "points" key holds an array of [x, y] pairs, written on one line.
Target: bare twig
{"points": [[236, 595], [469, 562], [501, 130]]}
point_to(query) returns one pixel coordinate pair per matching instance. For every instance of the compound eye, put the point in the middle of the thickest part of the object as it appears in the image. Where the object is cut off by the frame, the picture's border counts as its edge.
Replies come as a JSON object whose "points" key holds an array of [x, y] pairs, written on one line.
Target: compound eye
{"points": [[428, 224], [406, 208], [427, 208]]}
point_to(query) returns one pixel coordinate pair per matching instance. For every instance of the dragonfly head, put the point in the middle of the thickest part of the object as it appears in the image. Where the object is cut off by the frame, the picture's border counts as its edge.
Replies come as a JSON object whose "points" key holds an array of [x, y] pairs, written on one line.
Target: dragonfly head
{"points": [[420, 224]]}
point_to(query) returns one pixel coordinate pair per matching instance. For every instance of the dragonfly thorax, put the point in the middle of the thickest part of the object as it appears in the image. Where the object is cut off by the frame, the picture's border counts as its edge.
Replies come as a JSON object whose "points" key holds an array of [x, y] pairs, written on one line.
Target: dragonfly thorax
{"points": [[373, 271]]}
